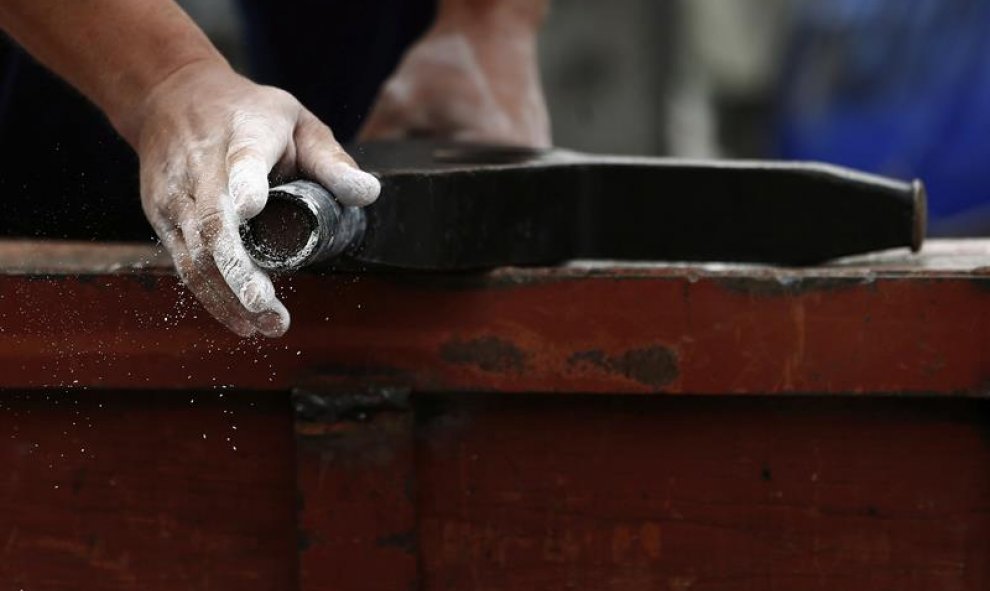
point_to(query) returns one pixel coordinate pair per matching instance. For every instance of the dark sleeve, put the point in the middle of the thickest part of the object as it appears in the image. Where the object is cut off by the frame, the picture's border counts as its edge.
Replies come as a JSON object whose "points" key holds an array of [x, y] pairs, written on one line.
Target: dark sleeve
{"points": [[65, 173], [333, 55]]}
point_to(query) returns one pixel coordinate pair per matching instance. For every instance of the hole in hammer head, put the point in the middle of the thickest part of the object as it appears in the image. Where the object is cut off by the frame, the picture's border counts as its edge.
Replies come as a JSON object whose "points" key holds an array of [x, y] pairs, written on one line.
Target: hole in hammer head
{"points": [[281, 234]]}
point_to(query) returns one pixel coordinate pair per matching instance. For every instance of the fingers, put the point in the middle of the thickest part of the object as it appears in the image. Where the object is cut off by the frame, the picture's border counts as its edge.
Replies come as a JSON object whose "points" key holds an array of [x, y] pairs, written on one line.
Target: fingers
{"points": [[199, 247], [397, 113], [385, 122], [321, 158], [254, 149], [193, 272], [218, 227], [198, 222]]}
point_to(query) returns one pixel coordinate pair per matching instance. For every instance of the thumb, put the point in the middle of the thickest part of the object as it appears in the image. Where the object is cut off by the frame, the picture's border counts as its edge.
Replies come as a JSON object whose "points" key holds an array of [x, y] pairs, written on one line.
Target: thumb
{"points": [[320, 157]]}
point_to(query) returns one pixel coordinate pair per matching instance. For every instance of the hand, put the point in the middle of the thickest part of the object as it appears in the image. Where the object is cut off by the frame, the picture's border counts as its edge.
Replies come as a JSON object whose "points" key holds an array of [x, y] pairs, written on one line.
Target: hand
{"points": [[470, 78], [207, 139]]}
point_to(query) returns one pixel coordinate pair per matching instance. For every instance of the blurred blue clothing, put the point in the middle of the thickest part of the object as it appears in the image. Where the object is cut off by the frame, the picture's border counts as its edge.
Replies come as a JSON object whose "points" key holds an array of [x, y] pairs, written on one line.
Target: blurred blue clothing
{"points": [[898, 87]]}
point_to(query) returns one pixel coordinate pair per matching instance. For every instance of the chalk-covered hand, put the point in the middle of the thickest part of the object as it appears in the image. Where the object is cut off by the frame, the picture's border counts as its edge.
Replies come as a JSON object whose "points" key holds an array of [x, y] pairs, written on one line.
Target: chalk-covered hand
{"points": [[208, 139], [472, 77]]}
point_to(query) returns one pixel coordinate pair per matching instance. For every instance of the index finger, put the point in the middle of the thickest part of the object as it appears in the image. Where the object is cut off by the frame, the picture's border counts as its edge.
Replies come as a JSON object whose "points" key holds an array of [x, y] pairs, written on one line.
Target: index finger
{"points": [[252, 287]]}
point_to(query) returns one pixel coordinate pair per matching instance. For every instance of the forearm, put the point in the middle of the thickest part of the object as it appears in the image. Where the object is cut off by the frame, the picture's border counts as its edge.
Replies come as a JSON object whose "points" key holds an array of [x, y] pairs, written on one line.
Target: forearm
{"points": [[113, 51]]}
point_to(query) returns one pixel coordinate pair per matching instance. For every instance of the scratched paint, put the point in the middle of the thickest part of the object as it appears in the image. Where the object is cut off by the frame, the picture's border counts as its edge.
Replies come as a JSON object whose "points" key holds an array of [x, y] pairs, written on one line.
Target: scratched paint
{"points": [[654, 366], [573, 329], [489, 354]]}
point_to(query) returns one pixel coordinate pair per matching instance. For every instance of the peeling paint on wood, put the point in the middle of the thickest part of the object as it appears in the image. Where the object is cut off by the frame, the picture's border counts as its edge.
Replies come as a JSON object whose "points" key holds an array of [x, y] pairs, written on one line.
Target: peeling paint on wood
{"points": [[654, 366], [923, 333], [489, 354]]}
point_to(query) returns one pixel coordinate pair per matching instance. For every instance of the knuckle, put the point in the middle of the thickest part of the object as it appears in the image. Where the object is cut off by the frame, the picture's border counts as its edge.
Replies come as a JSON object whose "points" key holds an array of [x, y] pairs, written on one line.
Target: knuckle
{"points": [[196, 157], [235, 268], [199, 257], [279, 95], [246, 122], [397, 91], [212, 221], [229, 268], [244, 153], [211, 214], [170, 200]]}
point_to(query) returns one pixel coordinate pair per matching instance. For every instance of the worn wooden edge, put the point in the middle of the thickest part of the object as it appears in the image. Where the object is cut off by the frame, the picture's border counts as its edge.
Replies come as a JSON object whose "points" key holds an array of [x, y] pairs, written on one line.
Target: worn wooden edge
{"points": [[82, 315], [56, 257], [64, 257], [570, 330]]}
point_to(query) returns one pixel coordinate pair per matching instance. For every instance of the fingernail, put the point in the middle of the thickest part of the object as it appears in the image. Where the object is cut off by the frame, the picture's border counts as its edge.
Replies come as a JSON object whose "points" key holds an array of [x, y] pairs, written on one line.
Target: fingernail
{"points": [[254, 297], [272, 325], [242, 329], [353, 186], [250, 294], [238, 190]]}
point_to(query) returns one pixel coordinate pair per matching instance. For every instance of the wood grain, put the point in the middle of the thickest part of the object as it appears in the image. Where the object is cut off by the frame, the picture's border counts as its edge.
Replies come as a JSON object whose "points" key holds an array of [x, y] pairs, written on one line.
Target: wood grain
{"points": [[642, 331], [707, 495], [111, 491], [358, 514]]}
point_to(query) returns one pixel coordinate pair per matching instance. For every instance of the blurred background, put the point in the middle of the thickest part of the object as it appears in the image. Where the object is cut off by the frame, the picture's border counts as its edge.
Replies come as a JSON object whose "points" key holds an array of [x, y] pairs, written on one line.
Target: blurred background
{"points": [[897, 87]]}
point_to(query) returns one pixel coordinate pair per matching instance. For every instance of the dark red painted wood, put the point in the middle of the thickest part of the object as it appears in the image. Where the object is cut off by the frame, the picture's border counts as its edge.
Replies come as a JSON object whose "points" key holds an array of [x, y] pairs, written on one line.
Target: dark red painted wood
{"points": [[358, 516], [486, 492], [111, 491], [705, 494], [639, 330], [496, 493]]}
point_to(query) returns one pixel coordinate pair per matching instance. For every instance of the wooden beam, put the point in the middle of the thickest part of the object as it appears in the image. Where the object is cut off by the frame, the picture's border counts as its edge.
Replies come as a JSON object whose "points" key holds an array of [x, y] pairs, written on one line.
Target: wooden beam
{"points": [[916, 326]]}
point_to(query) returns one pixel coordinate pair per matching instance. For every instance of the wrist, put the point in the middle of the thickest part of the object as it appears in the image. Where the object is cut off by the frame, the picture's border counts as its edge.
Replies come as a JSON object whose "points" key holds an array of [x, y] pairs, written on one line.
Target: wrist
{"points": [[137, 96], [492, 17]]}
